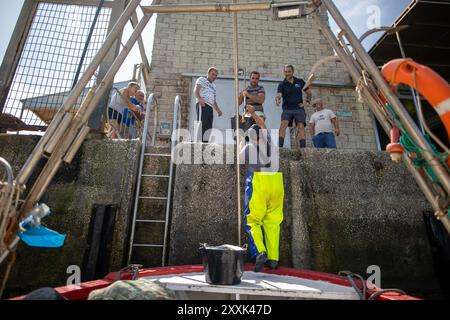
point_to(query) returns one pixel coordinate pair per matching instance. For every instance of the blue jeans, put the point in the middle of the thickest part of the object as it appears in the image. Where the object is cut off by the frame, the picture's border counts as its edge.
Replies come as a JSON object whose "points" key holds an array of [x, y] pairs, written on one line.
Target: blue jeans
{"points": [[324, 140]]}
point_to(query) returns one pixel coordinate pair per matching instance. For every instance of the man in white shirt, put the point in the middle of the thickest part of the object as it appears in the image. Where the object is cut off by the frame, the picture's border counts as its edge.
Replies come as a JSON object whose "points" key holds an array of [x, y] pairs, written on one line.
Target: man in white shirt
{"points": [[205, 93], [323, 126]]}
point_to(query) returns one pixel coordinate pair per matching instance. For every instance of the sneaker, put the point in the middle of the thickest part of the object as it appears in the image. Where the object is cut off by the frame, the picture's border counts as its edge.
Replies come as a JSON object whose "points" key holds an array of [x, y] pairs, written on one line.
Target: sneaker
{"points": [[260, 261], [272, 264]]}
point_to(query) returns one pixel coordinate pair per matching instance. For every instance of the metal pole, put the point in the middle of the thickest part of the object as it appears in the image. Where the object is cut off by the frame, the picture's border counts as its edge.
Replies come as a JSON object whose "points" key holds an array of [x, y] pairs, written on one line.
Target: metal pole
{"points": [[236, 101], [378, 79], [12, 246], [109, 42], [88, 41], [146, 65], [14, 50], [388, 30], [198, 8], [373, 104], [155, 121]]}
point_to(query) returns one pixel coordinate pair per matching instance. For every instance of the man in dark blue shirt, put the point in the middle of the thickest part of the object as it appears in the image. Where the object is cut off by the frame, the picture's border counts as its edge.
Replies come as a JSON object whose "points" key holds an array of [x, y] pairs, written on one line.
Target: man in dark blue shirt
{"points": [[291, 90]]}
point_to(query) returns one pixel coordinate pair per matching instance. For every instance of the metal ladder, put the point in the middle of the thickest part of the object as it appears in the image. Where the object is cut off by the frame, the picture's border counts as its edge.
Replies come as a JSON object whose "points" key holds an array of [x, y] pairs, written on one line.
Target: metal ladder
{"points": [[168, 198]]}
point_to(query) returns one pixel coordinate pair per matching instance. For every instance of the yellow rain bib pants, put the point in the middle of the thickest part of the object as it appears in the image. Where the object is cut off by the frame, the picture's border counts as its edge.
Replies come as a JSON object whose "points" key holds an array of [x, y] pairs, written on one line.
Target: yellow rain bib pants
{"points": [[264, 195]]}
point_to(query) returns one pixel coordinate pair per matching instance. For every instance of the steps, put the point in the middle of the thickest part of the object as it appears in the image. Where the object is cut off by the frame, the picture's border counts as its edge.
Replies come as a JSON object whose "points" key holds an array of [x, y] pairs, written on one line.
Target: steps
{"points": [[149, 227]]}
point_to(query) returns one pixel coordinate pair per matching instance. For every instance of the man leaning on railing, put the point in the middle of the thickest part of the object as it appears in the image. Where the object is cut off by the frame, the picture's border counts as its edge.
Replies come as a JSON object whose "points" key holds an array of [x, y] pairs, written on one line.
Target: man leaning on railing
{"points": [[135, 122], [118, 107]]}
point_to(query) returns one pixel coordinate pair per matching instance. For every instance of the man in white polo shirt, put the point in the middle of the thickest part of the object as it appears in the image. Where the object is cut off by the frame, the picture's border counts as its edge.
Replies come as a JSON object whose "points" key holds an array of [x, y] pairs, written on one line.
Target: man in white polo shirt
{"points": [[205, 93], [321, 127]]}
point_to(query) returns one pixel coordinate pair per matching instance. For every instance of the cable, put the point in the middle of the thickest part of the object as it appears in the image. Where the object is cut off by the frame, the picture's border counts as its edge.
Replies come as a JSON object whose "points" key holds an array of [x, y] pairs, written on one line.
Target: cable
{"points": [[350, 275]]}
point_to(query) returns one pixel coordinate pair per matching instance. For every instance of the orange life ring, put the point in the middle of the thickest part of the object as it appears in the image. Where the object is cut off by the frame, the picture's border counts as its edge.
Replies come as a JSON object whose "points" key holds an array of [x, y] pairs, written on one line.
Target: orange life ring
{"points": [[431, 85]]}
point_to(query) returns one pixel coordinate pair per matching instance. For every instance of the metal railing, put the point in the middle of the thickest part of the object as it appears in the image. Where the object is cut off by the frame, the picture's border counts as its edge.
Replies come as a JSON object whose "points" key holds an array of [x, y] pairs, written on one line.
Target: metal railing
{"points": [[130, 126], [176, 124]]}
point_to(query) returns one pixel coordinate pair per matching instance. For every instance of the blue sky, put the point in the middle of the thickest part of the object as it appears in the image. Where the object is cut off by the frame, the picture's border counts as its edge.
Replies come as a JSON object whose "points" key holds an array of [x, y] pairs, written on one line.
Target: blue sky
{"points": [[359, 12], [355, 11]]}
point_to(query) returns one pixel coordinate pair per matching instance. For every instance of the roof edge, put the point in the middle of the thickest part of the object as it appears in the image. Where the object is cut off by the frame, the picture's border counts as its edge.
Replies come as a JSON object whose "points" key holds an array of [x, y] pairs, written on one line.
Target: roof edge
{"points": [[396, 23]]}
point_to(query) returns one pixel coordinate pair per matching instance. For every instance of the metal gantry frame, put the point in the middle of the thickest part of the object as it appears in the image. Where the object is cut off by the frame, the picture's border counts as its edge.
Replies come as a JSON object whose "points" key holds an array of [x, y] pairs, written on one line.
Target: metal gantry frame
{"points": [[67, 131], [437, 195]]}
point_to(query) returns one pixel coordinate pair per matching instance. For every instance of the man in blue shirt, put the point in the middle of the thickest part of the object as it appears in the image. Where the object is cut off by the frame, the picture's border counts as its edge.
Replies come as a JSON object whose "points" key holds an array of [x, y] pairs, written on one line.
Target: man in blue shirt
{"points": [[291, 90]]}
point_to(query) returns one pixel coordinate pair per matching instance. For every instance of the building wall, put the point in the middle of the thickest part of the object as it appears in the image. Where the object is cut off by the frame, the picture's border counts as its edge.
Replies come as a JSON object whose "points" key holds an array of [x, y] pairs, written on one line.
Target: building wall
{"points": [[191, 43]]}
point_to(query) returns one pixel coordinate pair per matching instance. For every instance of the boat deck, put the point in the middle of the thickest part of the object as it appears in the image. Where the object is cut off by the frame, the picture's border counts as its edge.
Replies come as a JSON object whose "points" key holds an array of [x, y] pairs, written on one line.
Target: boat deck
{"points": [[254, 286]]}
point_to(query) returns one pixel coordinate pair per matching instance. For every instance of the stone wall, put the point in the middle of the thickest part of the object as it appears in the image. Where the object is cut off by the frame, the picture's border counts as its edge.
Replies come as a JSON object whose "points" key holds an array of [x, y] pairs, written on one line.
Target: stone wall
{"points": [[191, 43], [343, 210]]}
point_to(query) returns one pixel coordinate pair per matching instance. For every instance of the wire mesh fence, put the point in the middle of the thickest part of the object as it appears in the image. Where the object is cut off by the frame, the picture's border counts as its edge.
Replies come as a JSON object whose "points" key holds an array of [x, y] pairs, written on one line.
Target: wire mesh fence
{"points": [[50, 58]]}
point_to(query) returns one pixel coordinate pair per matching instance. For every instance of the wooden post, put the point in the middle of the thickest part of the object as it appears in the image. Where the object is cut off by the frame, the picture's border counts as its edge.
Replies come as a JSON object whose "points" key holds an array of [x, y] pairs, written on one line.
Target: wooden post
{"points": [[15, 47]]}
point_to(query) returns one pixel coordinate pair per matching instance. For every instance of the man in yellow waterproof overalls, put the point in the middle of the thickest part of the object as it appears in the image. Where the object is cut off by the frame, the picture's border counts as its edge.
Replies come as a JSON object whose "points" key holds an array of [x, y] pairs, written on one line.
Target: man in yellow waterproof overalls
{"points": [[264, 194]]}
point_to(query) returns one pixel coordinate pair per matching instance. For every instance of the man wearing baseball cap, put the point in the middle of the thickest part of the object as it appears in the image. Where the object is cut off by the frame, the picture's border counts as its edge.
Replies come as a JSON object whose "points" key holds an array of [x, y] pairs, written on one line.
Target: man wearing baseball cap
{"points": [[323, 126]]}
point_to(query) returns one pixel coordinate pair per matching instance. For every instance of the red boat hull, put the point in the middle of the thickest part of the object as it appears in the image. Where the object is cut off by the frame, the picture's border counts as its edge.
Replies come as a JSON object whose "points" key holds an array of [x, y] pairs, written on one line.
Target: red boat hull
{"points": [[81, 291]]}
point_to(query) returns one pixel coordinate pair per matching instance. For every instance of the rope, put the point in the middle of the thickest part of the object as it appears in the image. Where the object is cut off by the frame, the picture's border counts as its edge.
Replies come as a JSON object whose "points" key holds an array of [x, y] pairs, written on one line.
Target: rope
{"points": [[427, 129], [359, 88], [236, 98], [132, 268], [364, 80], [350, 275], [362, 292], [419, 161], [415, 152]]}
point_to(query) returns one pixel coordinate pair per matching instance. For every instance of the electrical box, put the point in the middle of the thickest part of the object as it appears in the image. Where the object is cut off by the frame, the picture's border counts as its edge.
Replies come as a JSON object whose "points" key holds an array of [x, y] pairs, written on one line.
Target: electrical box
{"points": [[287, 11], [165, 128]]}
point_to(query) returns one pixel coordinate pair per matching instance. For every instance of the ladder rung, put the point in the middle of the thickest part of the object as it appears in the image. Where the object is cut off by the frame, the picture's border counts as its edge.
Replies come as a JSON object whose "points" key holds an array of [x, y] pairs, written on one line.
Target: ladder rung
{"points": [[148, 245], [150, 221], [157, 155], [154, 198], [155, 175]]}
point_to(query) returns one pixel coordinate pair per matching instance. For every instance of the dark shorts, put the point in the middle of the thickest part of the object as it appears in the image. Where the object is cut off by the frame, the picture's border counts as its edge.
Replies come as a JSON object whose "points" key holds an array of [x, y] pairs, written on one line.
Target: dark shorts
{"points": [[129, 118], [114, 114], [299, 115]]}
